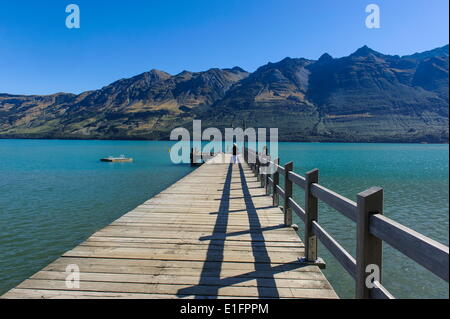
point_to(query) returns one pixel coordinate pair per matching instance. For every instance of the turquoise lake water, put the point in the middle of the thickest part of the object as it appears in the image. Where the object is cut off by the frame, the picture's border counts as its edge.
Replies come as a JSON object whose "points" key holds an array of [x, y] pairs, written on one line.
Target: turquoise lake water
{"points": [[54, 194]]}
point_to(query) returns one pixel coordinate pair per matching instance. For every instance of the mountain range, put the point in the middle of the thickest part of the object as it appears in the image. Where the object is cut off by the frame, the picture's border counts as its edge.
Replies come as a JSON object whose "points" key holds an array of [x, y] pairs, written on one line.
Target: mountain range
{"points": [[364, 97]]}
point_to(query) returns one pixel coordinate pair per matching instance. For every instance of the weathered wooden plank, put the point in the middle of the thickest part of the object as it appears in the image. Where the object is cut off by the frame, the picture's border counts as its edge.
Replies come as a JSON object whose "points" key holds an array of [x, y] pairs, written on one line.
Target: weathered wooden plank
{"points": [[20, 293], [292, 266], [195, 235], [200, 247], [275, 272], [224, 243], [184, 290], [210, 255], [236, 281]]}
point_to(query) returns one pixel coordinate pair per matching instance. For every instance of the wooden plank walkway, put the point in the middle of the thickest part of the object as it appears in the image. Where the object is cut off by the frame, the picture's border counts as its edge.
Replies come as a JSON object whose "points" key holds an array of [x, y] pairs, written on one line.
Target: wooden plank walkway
{"points": [[213, 234]]}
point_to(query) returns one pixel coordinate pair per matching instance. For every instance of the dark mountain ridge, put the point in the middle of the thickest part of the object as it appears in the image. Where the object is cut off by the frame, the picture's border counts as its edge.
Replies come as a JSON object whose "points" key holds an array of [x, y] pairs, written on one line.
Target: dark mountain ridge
{"points": [[364, 97]]}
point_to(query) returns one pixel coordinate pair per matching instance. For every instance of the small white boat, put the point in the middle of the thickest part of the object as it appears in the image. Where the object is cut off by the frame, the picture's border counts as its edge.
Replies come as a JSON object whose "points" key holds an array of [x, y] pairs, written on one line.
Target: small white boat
{"points": [[121, 158]]}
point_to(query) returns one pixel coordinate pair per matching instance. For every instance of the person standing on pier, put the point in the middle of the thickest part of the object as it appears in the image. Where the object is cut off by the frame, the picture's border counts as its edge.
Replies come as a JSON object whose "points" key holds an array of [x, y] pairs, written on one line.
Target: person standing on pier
{"points": [[234, 153]]}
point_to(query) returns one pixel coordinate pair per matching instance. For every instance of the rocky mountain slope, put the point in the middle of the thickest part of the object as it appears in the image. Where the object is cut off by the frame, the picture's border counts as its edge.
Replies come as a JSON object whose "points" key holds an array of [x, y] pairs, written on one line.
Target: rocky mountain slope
{"points": [[366, 96]]}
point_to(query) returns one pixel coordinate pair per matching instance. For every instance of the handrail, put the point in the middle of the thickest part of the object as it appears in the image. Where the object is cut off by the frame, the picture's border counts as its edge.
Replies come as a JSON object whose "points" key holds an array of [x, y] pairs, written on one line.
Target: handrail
{"points": [[343, 205], [280, 191], [280, 169], [367, 214], [344, 257], [297, 179], [425, 251], [297, 209]]}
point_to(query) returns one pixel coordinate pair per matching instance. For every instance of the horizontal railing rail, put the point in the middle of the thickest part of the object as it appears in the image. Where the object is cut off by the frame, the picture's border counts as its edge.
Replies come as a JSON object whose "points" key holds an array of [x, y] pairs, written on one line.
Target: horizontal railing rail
{"points": [[343, 205], [280, 191], [425, 251], [372, 227], [297, 179], [345, 259]]}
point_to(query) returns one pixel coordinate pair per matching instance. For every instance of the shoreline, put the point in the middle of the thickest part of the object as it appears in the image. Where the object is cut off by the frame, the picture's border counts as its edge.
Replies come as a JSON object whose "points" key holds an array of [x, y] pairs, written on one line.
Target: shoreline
{"points": [[168, 140]]}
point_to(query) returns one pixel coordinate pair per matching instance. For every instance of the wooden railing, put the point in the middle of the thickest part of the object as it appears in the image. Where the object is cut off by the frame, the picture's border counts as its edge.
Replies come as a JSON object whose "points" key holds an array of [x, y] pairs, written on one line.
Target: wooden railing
{"points": [[372, 228]]}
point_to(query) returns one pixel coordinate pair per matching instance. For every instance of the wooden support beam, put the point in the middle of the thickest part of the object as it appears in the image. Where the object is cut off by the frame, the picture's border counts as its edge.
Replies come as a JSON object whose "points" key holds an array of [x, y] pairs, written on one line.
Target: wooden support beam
{"points": [[288, 167], [276, 180], [311, 214], [368, 247]]}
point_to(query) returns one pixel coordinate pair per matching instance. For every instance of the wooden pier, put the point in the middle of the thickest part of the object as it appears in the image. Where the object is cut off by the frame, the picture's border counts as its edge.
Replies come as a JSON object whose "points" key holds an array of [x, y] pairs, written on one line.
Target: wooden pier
{"points": [[213, 234]]}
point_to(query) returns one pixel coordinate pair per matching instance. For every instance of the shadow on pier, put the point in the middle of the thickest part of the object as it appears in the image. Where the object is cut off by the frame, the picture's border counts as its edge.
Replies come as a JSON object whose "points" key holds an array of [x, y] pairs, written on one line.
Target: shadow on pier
{"points": [[210, 278]]}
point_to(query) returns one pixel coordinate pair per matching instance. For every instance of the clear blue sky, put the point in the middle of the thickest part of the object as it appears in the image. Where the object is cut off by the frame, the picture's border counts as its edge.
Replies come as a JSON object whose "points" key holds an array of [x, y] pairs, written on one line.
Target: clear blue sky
{"points": [[117, 39]]}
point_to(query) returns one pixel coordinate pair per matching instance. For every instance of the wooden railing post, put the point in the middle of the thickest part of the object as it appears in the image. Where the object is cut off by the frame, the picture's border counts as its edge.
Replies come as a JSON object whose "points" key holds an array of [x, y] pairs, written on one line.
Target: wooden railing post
{"points": [[311, 211], [368, 247], [276, 179], [253, 164], [249, 161], [287, 194], [262, 178], [257, 167], [266, 177]]}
